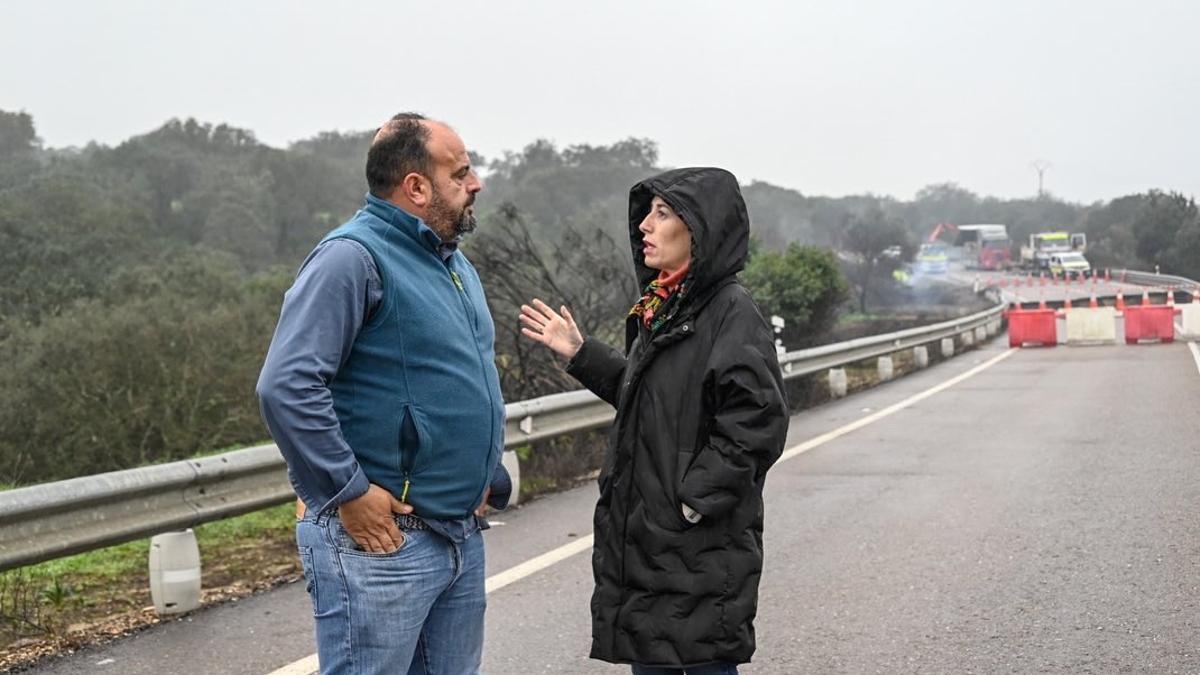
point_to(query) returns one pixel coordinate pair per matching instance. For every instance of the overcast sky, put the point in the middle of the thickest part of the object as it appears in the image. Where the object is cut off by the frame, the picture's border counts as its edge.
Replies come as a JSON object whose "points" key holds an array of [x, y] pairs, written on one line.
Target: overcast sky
{"points": [[828, 98]]}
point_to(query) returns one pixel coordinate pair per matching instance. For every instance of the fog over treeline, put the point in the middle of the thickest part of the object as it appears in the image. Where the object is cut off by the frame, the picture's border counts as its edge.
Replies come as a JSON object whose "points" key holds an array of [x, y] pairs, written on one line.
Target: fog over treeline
{"points": [[140, 283]]}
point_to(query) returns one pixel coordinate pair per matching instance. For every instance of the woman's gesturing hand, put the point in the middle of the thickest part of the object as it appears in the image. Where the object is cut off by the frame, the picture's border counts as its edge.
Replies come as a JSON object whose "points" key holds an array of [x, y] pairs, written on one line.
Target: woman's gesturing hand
{"points": [[556, 331]]}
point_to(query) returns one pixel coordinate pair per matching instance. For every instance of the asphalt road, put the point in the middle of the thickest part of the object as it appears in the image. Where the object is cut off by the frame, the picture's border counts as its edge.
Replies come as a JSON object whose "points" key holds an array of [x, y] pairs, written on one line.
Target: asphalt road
{"points": [[1037, 516]]}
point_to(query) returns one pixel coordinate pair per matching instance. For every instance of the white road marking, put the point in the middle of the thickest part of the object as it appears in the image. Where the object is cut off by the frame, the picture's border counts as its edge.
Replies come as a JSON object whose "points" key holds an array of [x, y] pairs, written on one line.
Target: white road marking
{"points": [[892, 409], [515, 574], [1195, 354], [309, 664], [305, 666]]}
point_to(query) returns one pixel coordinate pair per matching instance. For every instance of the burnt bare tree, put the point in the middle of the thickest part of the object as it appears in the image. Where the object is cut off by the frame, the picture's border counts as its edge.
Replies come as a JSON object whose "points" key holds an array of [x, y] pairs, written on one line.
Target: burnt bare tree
{"points": [[588, 273]]}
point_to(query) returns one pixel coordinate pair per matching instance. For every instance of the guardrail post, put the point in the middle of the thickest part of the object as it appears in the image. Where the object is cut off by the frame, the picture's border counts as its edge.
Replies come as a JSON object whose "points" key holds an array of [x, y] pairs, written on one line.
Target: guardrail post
{"points": [[921, 356], [947, 347], [981, 334], [886, 368], [837, 382], [968, 339], [993, 328]]}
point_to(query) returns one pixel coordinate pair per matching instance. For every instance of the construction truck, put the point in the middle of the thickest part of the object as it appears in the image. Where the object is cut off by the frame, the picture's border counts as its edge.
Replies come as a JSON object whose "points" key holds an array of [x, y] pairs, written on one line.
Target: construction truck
{"points": [[985, 247], [1046, 245]]}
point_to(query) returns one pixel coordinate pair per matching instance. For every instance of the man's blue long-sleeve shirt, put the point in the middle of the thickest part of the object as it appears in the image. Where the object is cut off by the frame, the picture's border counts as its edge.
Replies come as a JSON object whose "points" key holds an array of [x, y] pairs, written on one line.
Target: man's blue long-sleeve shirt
{"points": [[336, 290]]}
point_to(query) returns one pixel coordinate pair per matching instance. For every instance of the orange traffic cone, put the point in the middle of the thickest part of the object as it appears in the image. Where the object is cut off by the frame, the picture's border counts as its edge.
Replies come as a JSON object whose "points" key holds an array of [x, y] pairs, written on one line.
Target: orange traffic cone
{"points": [[1093, 303], [1170, 297], [1067, 305], [1145, 298], [1120, 301]]}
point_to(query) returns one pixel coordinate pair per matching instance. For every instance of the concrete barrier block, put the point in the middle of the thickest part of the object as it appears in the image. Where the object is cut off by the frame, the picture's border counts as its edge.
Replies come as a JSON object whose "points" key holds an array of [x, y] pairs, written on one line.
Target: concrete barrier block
{"points": [[947, 347], [1092, 325], [968, 339], [921, 356], [174, 572], [887, 369], [981, 334], [1191, 319], [837, 382]]}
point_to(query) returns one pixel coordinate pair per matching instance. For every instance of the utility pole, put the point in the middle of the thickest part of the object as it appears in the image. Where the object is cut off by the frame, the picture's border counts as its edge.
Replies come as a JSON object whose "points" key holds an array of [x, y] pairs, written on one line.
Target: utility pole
{"points": [[1040, 165]]}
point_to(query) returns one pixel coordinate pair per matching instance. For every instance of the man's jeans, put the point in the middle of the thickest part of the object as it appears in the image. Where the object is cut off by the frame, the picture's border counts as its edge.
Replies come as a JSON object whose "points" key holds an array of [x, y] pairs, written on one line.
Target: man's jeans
{"points": [[418, 610]]}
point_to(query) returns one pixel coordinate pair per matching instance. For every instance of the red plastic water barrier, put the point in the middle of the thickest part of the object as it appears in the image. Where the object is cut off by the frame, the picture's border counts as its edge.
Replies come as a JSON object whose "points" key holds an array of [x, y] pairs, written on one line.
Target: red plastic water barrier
{"points": [[1149, 322], [1032, 327]]}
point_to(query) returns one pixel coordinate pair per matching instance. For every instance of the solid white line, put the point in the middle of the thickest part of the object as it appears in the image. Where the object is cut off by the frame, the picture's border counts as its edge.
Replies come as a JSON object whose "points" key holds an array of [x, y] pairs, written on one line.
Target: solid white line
{"points": [[309, 665], [305, 666], [892, 409], [514, 574], [1195, 354]]}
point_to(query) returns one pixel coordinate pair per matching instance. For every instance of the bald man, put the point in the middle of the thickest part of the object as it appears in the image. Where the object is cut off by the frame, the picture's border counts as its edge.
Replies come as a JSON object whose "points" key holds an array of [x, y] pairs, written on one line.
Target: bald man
{"points": [[381, 391]]}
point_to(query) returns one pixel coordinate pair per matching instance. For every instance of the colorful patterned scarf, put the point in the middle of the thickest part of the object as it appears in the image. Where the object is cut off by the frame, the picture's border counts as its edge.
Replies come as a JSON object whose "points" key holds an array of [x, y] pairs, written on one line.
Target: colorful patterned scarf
{"points": [[661, 296]]}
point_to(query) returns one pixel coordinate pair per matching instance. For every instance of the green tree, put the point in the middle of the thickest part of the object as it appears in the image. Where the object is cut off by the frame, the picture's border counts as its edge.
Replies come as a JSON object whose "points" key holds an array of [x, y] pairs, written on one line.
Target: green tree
{"points": [[20, 148], [801, 284], [159, 368], [18, 138], [1158, 224], [554, 189], [1109, 228]]}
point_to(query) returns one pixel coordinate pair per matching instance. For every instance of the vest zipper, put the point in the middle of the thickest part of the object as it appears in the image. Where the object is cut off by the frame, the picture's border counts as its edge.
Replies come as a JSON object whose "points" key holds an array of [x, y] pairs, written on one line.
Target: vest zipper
{"points": [[471, 316]]}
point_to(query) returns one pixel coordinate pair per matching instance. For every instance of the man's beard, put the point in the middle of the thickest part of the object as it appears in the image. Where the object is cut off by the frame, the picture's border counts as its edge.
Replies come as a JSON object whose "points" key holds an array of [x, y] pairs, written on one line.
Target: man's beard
{"points": [[444, 219]]}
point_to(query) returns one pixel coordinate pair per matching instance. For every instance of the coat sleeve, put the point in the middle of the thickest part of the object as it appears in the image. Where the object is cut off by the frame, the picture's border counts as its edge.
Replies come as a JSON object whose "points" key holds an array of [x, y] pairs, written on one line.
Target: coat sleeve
{"points": [[600, 368], [749, 421]]}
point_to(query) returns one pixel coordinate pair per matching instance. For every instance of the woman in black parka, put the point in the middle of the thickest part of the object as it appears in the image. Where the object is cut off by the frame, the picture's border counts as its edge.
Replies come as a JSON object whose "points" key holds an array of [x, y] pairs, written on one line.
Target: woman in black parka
{"points": [[700, 418]]}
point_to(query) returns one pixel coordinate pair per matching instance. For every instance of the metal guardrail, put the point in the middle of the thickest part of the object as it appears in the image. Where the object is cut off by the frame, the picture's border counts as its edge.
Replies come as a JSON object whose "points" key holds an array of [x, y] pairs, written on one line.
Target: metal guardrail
{"points": [[1152, 279], [43, 522], [809, 361], [49, 521]]}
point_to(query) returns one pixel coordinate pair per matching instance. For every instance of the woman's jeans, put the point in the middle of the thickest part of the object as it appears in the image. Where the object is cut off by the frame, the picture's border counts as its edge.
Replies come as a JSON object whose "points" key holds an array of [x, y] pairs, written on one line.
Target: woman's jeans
{"points": [[417, 610], [706, 669]]}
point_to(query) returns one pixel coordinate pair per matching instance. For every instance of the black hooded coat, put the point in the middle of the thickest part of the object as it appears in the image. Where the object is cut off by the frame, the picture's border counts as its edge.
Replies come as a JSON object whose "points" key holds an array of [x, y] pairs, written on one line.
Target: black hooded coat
{"points": [[701, 416]]}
